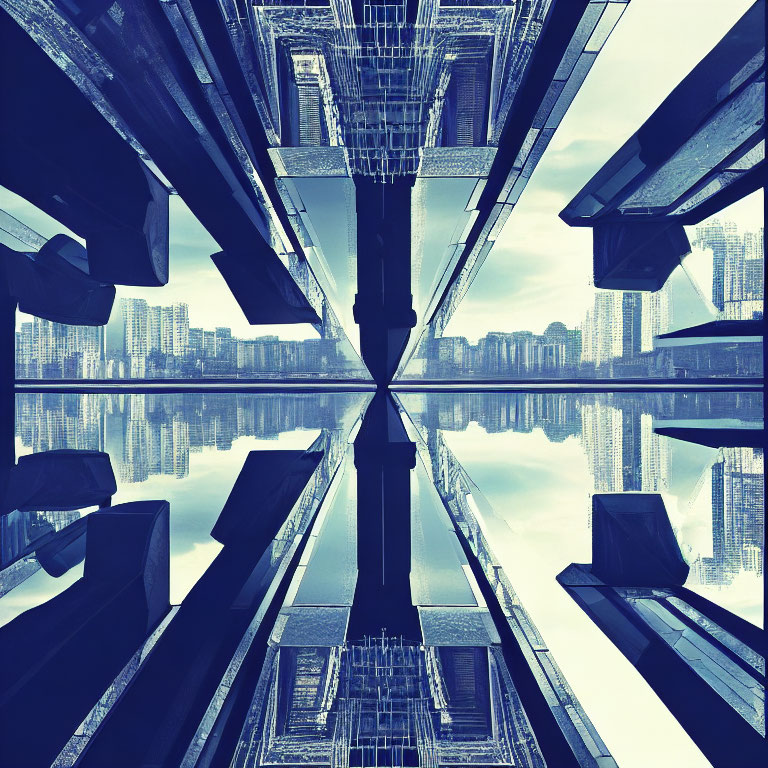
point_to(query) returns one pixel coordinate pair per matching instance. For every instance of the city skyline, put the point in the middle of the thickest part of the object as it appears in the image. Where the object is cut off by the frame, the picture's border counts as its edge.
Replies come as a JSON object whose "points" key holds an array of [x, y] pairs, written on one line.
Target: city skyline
{"points": [[615, 338], [539, 264], [154, 435], [143, 340], [535, 241]]}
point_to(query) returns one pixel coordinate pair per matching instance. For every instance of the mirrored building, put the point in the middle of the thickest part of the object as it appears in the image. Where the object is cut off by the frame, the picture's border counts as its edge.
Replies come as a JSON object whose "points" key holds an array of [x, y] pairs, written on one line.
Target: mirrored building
{"points": [[335, 530]]}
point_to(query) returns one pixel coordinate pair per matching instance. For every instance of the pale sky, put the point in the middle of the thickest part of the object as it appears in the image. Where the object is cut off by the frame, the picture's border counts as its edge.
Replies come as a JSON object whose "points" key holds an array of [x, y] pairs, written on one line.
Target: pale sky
{"points": [[540, 494], [540, 268], [194, 278]]}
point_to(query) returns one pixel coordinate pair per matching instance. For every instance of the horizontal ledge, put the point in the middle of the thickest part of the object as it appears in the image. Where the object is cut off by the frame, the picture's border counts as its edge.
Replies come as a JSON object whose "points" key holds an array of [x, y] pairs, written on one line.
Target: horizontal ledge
{"points": [[581, 385], [191, 385], [285, 385]]}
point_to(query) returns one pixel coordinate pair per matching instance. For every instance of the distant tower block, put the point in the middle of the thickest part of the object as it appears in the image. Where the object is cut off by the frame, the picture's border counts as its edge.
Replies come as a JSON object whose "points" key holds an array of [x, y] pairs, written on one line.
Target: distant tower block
{"points": [[307, 72]]}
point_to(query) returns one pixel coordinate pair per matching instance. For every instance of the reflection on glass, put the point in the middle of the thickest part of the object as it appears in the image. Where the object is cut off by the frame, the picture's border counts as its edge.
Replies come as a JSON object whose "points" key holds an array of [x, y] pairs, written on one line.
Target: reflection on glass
{"points": [[186, 448], [322, 211], [325, 695], [442, 209], [715, 495], [539, 458], [500, 505]]}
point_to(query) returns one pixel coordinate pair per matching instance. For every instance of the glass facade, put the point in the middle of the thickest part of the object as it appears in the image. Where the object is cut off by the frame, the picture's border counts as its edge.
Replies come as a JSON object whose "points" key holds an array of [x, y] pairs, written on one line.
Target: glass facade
{"points": [[510, 474]]}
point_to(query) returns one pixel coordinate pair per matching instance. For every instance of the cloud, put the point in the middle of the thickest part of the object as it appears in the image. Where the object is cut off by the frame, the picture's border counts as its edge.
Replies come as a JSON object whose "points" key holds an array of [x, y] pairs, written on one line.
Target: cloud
{"points": [[540, 269], [190, 566], [540, 495]]}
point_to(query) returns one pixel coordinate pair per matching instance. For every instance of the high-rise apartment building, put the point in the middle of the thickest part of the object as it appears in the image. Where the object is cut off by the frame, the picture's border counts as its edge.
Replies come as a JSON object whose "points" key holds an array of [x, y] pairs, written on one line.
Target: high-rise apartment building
{"points": [[623, 452], [737, 513], [209, 344], [743, 277], [136, 337], [307, 72], [712, 234], [737, 268], [26, 358], [196, 342], [603, 329], [52, 350], [154, 329], [180, 329], [655, 317], [631, 321]]}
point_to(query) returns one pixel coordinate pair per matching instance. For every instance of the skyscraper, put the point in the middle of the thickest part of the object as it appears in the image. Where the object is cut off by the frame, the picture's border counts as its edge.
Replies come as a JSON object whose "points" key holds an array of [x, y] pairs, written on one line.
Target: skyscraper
{"points": [[655, 453], [631, 450], [631, 320], [737, 268], [754, 272], [601, 429], [166, 330], [603, 336], [136, 335], [711, 234], [732, 272], [155, 329], [26, 358], [655, 312], [573, 345], [306, 68], [737, 515], [209, 344], [52, 350], [743, 278], [180, 332]]}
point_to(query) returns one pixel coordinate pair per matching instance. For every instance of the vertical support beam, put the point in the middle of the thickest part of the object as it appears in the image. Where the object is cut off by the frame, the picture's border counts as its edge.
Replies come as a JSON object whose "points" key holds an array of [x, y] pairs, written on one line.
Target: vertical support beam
{"points": [[384, 458], [64, 654], [384, 303], [156, 719], [633, 592], [7, 380]]}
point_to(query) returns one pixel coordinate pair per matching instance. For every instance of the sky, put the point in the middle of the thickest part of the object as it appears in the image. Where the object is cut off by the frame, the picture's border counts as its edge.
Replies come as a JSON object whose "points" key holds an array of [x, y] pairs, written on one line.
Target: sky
{"points": [[194, 278], [540, 268], [540, 492]]}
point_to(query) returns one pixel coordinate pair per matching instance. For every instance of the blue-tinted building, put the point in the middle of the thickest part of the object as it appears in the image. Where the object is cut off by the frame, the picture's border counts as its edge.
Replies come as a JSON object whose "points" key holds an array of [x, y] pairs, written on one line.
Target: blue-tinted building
{"points": [[346, 595]]}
